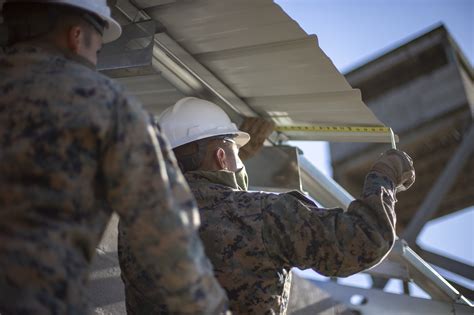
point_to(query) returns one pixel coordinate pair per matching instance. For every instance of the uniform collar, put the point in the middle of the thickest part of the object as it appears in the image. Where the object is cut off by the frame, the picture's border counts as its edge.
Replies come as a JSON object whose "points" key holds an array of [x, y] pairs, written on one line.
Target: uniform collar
{"points": [[222, 177], [48, 49]]}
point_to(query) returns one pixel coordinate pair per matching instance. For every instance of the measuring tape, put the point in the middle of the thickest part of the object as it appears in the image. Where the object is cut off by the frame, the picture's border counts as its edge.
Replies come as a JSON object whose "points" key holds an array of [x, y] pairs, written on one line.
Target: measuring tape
{"points": [[313, 128]]}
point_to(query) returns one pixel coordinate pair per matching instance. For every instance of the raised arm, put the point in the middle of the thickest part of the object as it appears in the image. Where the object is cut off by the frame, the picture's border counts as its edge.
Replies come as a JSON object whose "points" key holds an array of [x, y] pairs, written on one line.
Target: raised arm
{"points": [[333, 242], [161, 256]]}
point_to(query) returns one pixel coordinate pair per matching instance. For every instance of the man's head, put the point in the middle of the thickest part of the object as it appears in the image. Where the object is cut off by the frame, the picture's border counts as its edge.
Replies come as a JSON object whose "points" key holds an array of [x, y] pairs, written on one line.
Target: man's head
{"points": [[203, 136], [210, 154], [77, 27]]}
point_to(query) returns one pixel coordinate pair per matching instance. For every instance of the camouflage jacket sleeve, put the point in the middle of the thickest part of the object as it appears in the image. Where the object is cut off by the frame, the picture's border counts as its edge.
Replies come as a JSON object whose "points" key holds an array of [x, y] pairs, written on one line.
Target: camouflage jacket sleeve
{"points": [[335, 243], [161, 255]]}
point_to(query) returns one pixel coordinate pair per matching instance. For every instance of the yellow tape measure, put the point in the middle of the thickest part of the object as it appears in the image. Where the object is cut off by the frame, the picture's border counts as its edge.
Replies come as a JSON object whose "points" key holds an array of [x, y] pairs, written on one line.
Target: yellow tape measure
{"points": [[310, 128], [349, 129]]}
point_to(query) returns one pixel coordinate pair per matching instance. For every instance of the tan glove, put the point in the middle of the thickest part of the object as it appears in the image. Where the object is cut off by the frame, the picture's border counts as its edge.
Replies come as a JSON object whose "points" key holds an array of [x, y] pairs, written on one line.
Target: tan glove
{"points": [[259, 130], [397, 166]]}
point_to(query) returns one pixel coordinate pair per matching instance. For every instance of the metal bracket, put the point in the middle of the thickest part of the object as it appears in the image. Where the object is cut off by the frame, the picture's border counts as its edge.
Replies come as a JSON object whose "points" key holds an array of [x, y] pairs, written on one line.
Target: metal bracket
{"points": [[132, 53]]}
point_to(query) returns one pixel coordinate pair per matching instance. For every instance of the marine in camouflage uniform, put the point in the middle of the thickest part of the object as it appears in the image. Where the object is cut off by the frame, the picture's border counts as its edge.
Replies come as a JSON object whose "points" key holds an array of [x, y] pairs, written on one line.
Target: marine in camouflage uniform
{"points": [[254, 238], [74, 148], [193, 290]]}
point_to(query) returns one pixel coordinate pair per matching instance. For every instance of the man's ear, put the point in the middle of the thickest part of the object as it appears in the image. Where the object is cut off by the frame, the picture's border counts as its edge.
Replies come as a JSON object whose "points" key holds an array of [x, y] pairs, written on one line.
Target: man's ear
{"points": [[221, 158], [74, 38]]}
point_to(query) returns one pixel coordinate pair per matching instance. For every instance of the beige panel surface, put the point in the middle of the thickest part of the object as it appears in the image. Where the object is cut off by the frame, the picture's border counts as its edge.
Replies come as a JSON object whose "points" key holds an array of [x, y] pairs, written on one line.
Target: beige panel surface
{"points": [[207, 26], [255, 56], [267, 60]]}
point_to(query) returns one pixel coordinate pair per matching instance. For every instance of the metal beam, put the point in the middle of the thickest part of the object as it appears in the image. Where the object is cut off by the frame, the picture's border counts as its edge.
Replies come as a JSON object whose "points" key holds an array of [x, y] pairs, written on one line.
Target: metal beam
{"points": [[406, 288], [375, 302], [321, 187], [425, 276], [462, 269], [131, 53], [379, 282], [388, 269], [468, 293], [450, 173]]}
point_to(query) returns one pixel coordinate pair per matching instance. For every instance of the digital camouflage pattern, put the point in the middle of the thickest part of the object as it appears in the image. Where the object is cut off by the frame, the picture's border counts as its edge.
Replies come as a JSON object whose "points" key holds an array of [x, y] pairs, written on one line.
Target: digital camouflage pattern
{"points": [[74, 148], [142, 295], [254, 238]]}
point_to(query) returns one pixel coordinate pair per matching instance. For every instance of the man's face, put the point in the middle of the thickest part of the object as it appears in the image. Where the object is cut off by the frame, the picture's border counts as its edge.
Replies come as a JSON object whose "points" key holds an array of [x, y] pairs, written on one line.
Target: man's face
{"points": [[90, 46], [233, 159]]}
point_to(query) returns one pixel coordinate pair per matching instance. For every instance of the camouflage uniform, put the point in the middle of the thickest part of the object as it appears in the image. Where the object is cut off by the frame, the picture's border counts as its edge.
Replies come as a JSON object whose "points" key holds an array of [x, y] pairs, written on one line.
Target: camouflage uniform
{"points": [[254, 238], [141, 295], [73, 149]]}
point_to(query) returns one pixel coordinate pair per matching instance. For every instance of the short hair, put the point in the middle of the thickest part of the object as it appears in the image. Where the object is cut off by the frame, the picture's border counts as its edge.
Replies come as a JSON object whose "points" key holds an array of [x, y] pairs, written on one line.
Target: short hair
{"points": [[191, 156], [29, 21]]}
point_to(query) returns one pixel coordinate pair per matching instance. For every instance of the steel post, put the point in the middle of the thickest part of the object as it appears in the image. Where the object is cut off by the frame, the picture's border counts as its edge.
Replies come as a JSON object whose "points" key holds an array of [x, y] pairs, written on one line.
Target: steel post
{"points": [[450, 173]]}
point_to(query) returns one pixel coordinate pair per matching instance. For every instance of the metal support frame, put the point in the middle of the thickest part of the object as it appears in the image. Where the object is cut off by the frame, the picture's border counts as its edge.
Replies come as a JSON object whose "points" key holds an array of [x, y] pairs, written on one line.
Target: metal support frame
{"points": [[375, 302], [379, 282], [324, 189], [406, 288], [131, 53], [468, 293], [447, 263], [459, 268], [387, 269], [450, 173], [425, 276]]}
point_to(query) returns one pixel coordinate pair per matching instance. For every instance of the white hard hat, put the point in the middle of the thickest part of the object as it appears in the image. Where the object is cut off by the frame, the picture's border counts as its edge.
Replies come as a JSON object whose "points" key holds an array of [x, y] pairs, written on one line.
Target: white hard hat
{"points": [[192, 119], [97, 7]]}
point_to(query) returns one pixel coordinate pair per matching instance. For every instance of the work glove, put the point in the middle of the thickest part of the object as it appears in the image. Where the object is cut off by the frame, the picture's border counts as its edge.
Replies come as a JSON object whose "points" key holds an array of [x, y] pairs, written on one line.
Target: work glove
{"points": [[398, 167], [259, 130]]}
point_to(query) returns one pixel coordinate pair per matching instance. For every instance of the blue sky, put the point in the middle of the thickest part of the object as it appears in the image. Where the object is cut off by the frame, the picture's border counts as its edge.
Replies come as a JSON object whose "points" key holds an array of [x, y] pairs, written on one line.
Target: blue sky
{"points": [[352, 32]]}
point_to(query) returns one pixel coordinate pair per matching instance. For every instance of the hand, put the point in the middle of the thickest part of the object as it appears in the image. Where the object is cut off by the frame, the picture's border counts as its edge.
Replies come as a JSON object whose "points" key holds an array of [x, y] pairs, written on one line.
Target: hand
{"points": [[397, 166], [259, 130]]}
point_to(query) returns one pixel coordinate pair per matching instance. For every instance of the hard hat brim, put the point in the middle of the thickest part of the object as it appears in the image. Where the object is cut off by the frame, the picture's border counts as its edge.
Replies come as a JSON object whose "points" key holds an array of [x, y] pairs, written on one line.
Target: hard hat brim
{"points": [[112, 31], [242, 138]]}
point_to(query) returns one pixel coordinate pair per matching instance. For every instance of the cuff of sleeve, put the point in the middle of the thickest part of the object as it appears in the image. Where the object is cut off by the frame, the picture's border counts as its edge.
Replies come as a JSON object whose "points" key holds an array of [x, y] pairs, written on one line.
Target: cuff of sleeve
{"points": [[374, 181]]}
